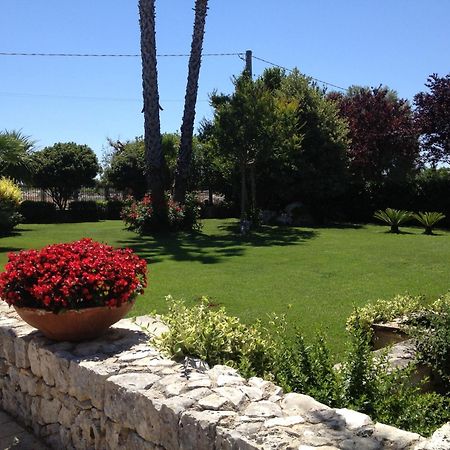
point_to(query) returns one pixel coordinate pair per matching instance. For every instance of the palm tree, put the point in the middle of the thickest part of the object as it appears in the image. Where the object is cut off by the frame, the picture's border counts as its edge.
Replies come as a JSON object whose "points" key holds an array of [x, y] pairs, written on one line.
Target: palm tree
{"points": [[152, 128], [429, 220], [15, 155], [187, 127]]}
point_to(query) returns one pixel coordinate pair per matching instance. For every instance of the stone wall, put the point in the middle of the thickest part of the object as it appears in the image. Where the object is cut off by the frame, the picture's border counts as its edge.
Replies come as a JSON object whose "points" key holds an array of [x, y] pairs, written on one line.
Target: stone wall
{"points": [[119, 392]]}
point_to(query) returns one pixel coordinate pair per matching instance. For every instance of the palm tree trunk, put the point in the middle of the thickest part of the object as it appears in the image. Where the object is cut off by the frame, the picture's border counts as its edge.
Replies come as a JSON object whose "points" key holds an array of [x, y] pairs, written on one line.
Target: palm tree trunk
{"points": [[187, 127], [152, 129]]}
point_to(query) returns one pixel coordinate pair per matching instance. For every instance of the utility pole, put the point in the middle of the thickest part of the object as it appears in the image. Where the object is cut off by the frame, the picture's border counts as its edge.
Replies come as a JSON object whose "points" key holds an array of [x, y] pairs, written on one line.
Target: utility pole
{"points": [[248, 63]]}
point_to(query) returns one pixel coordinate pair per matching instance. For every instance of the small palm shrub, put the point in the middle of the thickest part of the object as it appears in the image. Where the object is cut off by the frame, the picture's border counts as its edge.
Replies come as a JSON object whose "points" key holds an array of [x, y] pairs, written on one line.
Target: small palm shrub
{"points": [[393, 217], [429, 220], [10, 198]]}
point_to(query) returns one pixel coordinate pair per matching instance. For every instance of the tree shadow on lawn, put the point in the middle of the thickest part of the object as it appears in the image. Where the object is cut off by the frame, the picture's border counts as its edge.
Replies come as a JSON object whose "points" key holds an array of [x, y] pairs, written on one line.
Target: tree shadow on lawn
{"points": [[212, 249]]}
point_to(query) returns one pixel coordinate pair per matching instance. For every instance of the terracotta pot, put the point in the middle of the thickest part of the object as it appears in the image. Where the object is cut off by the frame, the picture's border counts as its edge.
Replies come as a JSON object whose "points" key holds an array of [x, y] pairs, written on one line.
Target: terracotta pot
{"points": [[74, 325]]}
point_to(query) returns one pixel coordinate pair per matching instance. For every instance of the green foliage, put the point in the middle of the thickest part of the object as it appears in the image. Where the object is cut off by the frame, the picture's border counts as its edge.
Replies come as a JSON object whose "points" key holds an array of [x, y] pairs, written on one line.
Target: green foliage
{"points": [[125, 167], [10, 193], [384, 311], [38, 212], [210, 334], [429, 220], [432, 335], [143, 217], [285, 142], [84, 211], [15, 155], [361, 382], [63, 169], [10, 198], [393, 217]]}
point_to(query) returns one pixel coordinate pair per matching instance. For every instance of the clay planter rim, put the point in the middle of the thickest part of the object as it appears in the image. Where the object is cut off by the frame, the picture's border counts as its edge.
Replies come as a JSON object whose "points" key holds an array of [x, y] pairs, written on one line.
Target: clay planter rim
{"points": [[74, 325]]}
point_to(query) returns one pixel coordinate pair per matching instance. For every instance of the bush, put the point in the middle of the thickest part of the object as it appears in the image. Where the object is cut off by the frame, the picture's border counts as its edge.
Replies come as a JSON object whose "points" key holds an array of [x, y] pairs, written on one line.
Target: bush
{"points": [[10, 198], [214, 336], [94, 275], [113, 209], [84, 211], [384, 311], [362, 382], [142, 216], [38, 212], [393, 217], [428, 220], [432, 336]]}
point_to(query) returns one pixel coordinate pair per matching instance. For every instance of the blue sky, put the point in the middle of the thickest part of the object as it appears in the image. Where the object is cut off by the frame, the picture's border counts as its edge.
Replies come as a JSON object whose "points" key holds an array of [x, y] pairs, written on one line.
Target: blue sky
{"points": [[366, 42]]}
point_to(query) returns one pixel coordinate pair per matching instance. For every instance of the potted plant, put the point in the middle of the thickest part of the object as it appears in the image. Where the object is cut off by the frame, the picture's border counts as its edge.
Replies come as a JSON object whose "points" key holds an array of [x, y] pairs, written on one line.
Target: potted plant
{"points": [[73, 291]]}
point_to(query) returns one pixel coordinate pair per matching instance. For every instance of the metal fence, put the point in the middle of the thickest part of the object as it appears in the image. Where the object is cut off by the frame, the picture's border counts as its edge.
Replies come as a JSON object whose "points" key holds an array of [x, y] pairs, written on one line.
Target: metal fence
{"points": [[95, 194]]}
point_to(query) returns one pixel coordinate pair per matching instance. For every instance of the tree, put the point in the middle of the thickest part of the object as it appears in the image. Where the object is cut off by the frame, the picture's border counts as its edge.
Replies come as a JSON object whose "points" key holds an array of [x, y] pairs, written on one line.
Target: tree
{"points": [[433, 118], [251, 129], [126, 166], [187, 127], [384, 139], [63, 169], [15, 155], [320, 165], [152, 129], [286, 139]]}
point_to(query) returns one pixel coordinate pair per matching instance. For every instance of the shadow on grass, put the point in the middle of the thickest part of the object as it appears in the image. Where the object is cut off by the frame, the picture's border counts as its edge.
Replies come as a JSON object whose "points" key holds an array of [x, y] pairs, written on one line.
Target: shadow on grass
{"points": [[214, 248]]}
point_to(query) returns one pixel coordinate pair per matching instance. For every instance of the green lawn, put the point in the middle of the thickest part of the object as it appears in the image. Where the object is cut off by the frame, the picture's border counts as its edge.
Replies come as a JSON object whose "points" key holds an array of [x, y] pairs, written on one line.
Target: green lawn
{"points": [[321, 272]]}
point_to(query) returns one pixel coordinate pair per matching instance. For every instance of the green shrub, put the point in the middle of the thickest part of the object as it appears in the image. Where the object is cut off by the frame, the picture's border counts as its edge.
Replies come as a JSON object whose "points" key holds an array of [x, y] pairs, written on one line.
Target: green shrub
{"points": [[393, 217], [142, 216], [83, 211], [38, 212], [113, 209], [384, 311], [210, 334], [429, 220], [10, 198], [432, 336]]}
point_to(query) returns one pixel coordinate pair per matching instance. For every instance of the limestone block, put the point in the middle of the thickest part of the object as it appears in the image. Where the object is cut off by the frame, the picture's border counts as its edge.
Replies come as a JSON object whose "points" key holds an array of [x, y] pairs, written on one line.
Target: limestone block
{"points": [[395, 437], [212, 401], [354, 419], [198, 429], [134, 380], [232, 394], [49, 410], [263, 408], [300, 404]]}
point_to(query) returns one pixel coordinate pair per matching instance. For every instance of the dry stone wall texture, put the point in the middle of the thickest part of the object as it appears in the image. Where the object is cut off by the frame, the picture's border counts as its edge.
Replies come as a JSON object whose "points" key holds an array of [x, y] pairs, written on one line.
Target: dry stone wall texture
{"points": [[117, 392]]}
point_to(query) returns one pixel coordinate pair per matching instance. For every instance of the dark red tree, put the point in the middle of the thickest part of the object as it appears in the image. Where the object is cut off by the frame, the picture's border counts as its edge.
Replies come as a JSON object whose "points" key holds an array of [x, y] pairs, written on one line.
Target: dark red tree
{"points": [[433, 119], [384, 140]]}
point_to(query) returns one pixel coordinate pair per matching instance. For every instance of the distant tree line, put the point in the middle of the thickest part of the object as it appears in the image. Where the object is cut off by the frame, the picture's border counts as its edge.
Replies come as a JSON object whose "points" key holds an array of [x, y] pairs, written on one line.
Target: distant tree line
{"points": [[275, 140]]}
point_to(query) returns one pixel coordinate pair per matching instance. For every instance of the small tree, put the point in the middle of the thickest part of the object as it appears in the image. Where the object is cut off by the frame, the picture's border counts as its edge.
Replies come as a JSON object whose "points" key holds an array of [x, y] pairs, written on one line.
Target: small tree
{"points": [[433, 118], [63, 169], [15, 155]]}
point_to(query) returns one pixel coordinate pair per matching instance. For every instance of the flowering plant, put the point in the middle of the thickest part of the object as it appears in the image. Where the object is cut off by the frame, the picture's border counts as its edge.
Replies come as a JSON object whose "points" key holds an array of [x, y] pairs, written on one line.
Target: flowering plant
{"points": [[142, 217], [75, 275]]}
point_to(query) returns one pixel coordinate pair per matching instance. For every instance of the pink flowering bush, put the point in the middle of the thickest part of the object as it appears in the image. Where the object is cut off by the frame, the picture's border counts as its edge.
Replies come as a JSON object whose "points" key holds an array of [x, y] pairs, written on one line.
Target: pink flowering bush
{"points": [[75, 275], [143, 217]]}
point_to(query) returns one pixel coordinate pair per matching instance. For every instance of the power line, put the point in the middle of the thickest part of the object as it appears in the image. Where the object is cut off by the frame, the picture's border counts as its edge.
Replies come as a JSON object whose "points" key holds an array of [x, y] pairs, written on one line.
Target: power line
{"points": [[161, 55], [291, 70], [111, 55]]}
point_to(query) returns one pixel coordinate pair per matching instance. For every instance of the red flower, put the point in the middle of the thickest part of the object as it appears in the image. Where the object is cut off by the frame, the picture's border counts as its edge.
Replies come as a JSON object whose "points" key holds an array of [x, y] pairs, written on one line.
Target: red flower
{"points": [[76, 275]]}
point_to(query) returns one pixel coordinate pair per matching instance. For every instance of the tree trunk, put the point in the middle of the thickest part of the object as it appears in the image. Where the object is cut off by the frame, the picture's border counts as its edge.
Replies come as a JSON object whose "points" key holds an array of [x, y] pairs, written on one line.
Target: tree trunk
{"points": [[243, 192], [187, 127], [152, 129]]}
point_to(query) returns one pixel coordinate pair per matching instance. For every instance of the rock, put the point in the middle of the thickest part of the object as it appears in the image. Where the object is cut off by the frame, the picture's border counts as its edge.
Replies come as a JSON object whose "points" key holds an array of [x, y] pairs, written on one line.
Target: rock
{"points": [[354, 419], [213, 401], [135, 381], [233, 395], [300, 404], [263, 408], [284, 421], [388, 435]]}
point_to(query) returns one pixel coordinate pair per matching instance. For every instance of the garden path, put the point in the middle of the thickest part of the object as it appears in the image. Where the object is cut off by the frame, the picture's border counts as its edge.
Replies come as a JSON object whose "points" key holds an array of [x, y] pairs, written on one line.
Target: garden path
{"points": [[15, 437]]}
